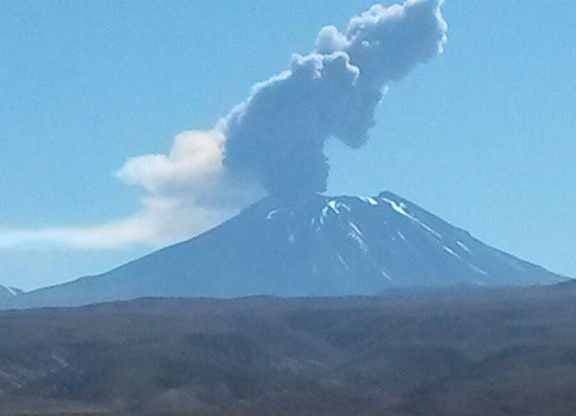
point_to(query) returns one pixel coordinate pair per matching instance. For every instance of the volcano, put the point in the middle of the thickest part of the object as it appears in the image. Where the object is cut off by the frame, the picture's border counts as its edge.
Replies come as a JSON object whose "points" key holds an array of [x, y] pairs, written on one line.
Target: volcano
{"points": [[313, 246]]}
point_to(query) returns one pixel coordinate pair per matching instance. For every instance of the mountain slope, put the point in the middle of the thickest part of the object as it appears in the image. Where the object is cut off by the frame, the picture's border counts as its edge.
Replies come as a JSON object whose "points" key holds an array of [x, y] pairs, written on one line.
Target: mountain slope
{"points": [[314, 246], [8, 292]]}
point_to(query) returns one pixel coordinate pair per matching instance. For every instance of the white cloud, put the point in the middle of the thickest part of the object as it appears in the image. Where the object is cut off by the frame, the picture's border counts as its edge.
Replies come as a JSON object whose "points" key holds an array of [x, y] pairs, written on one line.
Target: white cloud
{"points": [[187, 191], [195, 161]]}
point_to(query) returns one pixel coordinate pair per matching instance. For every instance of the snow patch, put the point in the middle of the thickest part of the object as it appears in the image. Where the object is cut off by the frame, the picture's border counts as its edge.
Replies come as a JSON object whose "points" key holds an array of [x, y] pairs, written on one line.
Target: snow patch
{"points": [[478, 269], [342, 205], [400, 208], [355, 228], [463, 246], [334, 205], [386, 275], [342, 261], [371, 201], [271, 214], [358, 239], [450, 251], [11, 291]]}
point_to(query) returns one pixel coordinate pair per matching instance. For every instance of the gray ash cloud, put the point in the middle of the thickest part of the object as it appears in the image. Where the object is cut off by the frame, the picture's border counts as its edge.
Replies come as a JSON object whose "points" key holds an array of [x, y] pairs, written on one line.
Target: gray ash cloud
{"points": [[277, 135]]}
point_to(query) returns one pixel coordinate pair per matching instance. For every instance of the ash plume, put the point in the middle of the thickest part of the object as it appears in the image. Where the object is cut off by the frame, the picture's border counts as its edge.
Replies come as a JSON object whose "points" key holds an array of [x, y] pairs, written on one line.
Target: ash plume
{"points": [[274, 141], [277, 135]]}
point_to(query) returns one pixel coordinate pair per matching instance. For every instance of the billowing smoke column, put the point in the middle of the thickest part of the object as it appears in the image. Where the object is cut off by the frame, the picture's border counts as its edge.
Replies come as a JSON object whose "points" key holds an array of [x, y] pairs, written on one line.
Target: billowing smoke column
{"points": [[274, 140], [277, 135]]}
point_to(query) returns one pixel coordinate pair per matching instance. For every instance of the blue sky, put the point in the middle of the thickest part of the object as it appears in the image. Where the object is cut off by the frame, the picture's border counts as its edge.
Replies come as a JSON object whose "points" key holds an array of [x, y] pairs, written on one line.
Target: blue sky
{"points": [[482, 136]]}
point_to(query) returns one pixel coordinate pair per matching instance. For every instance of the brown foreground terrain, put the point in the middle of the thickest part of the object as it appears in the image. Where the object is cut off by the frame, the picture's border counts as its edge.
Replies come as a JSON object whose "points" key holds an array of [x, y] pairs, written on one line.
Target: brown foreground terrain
{"points": [[464, 353]]}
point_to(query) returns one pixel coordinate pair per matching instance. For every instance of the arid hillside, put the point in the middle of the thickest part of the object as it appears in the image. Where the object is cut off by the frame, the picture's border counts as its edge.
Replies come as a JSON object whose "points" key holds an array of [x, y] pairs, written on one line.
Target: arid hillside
{"points": [[452, 352]]}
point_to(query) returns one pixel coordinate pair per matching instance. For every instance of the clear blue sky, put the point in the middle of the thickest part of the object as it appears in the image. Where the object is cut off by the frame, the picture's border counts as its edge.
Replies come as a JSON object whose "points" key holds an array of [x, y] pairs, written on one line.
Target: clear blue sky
{"points": [[484, 136]]}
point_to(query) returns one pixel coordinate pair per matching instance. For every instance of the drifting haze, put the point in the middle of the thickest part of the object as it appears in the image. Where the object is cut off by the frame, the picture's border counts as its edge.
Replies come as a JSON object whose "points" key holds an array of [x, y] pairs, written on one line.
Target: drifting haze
{"points": [[274, 141]]}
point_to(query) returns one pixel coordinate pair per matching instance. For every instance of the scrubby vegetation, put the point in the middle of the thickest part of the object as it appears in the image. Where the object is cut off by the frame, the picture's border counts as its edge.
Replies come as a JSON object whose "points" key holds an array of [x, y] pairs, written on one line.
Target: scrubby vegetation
{"points": [[464, 353]]}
